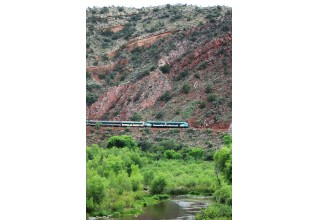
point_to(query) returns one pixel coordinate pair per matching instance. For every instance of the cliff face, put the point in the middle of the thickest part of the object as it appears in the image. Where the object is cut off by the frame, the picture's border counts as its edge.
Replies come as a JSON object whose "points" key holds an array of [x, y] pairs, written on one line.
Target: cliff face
{"points": [[162, 63]]}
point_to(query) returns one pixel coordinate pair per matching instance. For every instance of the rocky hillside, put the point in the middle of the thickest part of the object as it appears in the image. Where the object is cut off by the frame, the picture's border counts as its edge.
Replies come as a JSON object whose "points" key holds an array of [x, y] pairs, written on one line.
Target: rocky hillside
{"points": [[170, 62]]}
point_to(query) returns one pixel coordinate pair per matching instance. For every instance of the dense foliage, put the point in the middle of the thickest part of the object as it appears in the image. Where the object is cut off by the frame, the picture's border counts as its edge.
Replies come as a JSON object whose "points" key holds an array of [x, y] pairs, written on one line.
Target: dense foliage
{"points": [[122, 177], [222, 208]]}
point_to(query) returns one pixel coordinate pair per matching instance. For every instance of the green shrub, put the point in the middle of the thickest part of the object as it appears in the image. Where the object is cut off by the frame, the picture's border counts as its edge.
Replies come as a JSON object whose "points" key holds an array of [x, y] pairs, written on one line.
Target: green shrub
{"points": [[159, 115], [202, 105], [224, 195], [225, 28], [105, 116], [123, 77], [171, 145], [208, 89], [165, 97], [202, 66], [136, 117], [196, 153], [197, 76], [227, 139], [216, 212], [91, 98], [88, 75], [172, 154], [182, 75], [143, 74], [223, 161], [153, 68], [98, 125], [145, 145], [107, 33], [102, 76], [158, 185], [105, 57], [165, 68], [186, 88], [212, 98], [120, 9], [104, 10], [121, 141]]}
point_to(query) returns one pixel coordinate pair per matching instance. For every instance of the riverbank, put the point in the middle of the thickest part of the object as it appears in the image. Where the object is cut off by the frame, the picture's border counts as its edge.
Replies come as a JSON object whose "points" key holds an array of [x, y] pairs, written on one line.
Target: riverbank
{"points": [[177, 207]]}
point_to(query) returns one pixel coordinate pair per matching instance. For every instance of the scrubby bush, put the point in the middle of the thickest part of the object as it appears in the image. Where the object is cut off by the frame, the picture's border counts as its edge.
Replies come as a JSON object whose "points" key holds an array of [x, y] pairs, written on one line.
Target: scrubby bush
{"points": [[159, 115], [105, 116], [196, 153], [143, 74], [224, 195], [182, 75], [202, 105], [211, 97], [105, 57], [186, 88], [153, 68], [217, 211], [208, 89], [120, 9], [172, 154], [104, 10], [223, 162], [102, 76], [145, 145], [165, 97], [136, 117], [225, 28], [165, 68], [121, 141], [202, 66], [158, 185], [88, 75], [197, 76], [91, 98]]}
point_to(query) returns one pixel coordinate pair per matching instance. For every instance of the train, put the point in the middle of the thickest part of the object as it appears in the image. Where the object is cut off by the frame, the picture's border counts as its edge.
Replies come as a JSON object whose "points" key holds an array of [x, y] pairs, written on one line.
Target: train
{"points": [[152, 124]]}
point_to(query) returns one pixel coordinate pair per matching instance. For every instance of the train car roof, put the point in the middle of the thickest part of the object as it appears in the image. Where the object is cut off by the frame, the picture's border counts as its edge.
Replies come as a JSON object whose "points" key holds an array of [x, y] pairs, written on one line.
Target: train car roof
{"points": [[111, 122], [166, 121], [132, 121]]}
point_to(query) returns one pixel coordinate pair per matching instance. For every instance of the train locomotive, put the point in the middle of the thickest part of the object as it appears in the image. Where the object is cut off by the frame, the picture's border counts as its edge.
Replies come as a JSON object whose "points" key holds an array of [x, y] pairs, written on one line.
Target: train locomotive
{"points": [[152, 124]]}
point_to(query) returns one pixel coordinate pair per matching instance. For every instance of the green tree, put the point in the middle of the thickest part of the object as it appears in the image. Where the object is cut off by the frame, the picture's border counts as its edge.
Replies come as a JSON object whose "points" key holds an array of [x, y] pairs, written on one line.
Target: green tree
{"points": [[223, 161], [114, 164], [121, 141], [96, 186], [165, 68], [224, 194], [172, 154], [196, 153], [136, 178], [158, 185]]}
